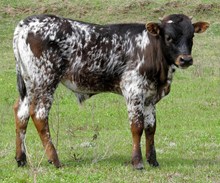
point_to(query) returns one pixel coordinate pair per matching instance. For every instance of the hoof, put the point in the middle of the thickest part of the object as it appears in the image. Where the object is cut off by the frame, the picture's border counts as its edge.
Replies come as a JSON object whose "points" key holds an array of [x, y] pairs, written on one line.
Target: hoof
{"points": [[137, 162], [50, 161], [56, 163], [21, 163], [153, 163], [139, 166]]}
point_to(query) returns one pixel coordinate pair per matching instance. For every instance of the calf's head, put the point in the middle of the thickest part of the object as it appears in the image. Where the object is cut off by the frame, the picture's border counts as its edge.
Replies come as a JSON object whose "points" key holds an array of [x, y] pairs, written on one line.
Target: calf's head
{"points": [[176, 33]]}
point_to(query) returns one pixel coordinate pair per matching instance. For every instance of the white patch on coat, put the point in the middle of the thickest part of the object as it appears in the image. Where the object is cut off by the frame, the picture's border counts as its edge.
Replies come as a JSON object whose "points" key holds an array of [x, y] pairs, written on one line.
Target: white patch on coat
{"points": [[149, 116], [170, 21], [23, 111], [132, 92], [138, 89], [41, 112], [133, 88], [142, 40]]}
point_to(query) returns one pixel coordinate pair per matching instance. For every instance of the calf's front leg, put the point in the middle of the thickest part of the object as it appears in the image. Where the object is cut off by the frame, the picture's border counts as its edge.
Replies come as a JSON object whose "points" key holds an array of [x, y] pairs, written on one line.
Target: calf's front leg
{"points": [[137, 130], [150, 128], [135, 107]]}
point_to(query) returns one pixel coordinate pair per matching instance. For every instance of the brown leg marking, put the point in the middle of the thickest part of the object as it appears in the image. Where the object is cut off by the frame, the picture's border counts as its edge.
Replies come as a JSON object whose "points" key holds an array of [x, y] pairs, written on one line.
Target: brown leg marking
{"points": [[21, 127], [150, 149], [42, 127], [137, 130]]}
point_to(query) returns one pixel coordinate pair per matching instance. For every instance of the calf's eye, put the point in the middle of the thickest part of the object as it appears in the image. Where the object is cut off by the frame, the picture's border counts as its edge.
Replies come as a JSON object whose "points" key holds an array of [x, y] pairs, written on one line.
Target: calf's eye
{"points": [[168, 39]]}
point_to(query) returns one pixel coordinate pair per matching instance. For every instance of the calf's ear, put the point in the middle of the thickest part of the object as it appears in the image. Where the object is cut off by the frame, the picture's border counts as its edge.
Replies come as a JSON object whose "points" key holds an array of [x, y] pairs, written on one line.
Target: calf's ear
{"points": [[153, 28], [200, 27]]}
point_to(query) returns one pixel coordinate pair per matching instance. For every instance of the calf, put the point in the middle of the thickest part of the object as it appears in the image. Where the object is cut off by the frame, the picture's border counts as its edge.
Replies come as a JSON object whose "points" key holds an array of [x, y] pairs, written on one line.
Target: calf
{"points": [[133, 60]]}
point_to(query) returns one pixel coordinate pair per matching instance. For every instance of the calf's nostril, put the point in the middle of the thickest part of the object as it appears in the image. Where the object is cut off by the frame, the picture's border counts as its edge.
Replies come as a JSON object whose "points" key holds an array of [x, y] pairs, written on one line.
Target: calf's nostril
{"points": [[182, 59], [187, 60]]}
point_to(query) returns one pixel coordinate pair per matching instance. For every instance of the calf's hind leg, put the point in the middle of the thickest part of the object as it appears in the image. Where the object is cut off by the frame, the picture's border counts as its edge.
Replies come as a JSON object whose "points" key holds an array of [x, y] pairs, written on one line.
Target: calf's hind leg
{"points": [[39, 116], [21, 126]]}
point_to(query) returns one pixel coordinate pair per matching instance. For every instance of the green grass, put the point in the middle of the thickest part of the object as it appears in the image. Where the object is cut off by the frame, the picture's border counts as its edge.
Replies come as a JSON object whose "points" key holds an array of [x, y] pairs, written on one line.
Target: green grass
{"points": [[188, 120]]}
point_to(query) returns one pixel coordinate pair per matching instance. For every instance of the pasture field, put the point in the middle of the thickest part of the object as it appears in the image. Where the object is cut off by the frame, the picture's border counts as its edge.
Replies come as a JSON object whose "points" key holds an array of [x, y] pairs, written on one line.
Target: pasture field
{"points": [[94, 140]]}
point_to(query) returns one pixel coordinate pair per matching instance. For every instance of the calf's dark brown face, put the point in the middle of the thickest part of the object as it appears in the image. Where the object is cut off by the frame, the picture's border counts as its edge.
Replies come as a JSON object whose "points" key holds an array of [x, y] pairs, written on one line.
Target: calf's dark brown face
{"points": [[176, 33]]}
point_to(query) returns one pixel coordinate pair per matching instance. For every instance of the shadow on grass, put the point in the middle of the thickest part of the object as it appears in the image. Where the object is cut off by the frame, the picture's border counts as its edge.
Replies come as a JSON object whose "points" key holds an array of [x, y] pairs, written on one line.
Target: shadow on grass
{"points": [[176, 162], [121, 160], [114, 160]]}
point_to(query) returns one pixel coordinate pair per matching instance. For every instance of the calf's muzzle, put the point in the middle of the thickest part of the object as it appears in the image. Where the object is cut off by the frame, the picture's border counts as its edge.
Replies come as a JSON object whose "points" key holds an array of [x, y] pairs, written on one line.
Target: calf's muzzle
{"points": [[184, 61]]}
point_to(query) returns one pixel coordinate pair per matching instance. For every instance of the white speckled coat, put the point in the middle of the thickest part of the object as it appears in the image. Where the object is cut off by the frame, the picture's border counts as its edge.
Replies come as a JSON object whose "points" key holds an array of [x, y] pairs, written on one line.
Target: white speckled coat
{"points": [[133, 60]]}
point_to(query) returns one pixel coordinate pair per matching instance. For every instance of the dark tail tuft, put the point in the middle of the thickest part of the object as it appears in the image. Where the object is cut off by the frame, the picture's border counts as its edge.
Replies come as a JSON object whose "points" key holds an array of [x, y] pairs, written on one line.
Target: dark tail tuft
{"points": [[21, 86]]}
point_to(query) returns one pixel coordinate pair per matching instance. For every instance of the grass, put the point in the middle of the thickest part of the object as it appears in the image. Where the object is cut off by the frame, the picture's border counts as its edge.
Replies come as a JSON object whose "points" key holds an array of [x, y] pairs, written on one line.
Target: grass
{"points": [[187, 138]]}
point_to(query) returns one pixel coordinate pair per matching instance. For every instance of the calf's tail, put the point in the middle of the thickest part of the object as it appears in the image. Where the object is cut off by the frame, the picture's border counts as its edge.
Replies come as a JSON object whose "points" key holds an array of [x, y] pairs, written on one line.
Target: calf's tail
{"points": [[23, 111], [21, 86], [20, 81]]}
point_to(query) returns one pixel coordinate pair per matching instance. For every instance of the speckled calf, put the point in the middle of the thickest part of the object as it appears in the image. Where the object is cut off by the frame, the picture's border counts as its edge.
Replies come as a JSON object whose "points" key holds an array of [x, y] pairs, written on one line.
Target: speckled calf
{"points": [[136, 61]]}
